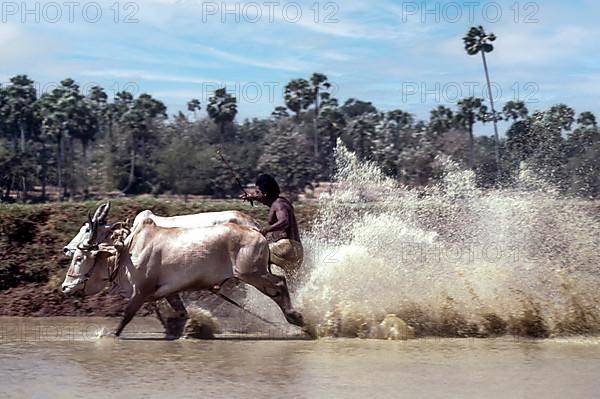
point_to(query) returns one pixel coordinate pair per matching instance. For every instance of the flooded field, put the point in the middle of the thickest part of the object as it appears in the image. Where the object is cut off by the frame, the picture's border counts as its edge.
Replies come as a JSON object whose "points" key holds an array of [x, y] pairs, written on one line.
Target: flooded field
{"points": [[63, 358], [497, 291]]}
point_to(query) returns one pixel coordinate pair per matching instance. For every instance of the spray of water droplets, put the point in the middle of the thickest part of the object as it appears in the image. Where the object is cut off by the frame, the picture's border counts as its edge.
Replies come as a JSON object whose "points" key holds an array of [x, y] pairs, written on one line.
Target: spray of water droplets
{"points": [[450, 259]]}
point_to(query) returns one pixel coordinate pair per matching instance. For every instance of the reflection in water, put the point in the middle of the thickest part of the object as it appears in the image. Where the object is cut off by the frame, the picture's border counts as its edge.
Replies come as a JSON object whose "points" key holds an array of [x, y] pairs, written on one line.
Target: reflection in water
{"points": [[349, 368]]}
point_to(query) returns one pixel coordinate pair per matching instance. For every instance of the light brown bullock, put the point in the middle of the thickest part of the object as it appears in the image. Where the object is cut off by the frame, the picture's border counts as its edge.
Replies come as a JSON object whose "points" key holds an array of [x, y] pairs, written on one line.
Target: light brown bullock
{"points": [[192, 220], [157, 262]]}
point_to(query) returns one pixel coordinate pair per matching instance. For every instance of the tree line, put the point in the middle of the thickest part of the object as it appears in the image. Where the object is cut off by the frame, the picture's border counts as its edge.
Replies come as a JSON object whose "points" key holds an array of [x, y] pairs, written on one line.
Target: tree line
{"points": [[79, 143]]}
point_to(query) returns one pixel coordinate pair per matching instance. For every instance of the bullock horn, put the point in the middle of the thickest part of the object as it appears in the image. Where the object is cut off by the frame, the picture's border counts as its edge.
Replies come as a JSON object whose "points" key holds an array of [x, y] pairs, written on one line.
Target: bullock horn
{"points": [[93, 229], [101, 212], [104, 213], [98, 212]]}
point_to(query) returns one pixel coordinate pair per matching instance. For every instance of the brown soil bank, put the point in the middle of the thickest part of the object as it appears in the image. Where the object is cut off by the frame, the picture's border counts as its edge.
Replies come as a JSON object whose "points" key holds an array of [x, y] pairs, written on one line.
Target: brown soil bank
{"points": [[32, 237]]}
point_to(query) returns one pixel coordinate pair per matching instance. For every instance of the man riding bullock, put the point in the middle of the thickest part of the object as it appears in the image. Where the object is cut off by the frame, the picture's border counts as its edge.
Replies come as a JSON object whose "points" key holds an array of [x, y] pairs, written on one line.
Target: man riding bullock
{"points": [[152, 262], [286, 250]]}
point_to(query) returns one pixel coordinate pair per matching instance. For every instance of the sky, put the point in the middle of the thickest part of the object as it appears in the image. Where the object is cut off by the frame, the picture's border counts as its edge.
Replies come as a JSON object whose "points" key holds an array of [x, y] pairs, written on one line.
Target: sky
{"points": [[397, 54]]}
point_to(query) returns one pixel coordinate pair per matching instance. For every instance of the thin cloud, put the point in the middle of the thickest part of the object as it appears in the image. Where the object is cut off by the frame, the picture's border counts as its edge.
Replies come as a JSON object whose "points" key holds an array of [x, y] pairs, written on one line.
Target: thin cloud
{"points": [[144, 75], [283, 65]]}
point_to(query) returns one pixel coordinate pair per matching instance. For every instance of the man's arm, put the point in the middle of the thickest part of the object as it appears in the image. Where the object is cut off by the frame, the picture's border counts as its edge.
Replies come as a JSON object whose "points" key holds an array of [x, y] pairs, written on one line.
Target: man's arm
{"points": [[248, 197], [282, 222]]}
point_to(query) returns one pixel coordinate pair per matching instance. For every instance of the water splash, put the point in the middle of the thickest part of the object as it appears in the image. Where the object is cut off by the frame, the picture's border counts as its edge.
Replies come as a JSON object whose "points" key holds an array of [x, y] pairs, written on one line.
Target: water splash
{"points": [[201, 324], [450, 259]]}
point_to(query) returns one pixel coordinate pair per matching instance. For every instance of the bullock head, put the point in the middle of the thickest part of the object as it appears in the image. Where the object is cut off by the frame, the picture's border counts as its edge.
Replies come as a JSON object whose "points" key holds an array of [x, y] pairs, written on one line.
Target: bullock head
{"points": [[96, 258], [89, 271], [84, 236]]}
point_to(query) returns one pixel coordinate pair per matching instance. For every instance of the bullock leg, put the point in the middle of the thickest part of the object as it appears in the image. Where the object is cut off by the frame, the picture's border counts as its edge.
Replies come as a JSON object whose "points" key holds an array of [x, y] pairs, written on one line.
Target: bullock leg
{"points": [[275, 288], [162, 310], [131, 309], [159, 315], [175, 325]]}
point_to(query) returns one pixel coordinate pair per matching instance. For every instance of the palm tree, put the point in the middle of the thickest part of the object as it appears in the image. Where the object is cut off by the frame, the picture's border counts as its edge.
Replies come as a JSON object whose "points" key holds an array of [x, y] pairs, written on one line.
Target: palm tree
{"points": [[477, 41], [222, 109], [318, 87], [21, 97], [297, 96], [441, 119], [584, 136], [354, 107], [588, 120], [54, 127], [470, 110], [139, 120], [515, 110], [279, 113], [194, 105]]}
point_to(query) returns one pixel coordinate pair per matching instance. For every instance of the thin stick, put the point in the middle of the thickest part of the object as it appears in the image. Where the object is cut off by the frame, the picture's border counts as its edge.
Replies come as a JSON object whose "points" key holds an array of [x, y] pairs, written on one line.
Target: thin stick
{"points": [[233, 172]]}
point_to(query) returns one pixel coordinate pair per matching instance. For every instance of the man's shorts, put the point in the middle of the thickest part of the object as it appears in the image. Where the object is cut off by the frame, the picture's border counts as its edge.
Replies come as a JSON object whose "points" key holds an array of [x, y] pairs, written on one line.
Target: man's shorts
{"points": [[287, 254]]}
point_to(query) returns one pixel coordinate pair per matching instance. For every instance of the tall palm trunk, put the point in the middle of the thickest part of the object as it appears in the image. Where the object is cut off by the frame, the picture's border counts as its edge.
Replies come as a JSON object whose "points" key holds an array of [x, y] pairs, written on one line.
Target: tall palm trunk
{"points": [[23, 188], [44, 171], [496, 137], [22, 138], [84, 174], [108, 158], [316, 123], [59, 167], [69, 169], [471, 146], [131, 169]]}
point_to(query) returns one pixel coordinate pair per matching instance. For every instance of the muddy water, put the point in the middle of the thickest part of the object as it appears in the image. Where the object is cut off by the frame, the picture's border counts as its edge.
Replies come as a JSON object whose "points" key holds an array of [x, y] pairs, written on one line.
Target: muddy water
{"points": [[63, 358]]}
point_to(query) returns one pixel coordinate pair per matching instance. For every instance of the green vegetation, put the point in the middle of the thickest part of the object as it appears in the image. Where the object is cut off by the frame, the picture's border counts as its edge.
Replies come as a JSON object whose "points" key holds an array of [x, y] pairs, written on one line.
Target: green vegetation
{"points": [[78, 144]]}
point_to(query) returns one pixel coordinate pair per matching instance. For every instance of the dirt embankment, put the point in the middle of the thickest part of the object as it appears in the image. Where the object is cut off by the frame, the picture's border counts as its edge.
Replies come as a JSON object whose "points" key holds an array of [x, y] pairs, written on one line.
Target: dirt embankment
{"points": [[32, 237]]}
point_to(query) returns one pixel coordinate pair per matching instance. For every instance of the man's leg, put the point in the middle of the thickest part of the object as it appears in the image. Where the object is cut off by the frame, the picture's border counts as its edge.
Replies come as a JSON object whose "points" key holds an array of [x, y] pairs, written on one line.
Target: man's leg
{"points": [[287, 255]]}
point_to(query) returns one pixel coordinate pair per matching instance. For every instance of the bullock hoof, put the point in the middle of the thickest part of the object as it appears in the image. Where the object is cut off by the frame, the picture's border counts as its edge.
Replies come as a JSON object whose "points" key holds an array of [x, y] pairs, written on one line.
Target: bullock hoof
{"points": [[174, 327], [294, 317]]}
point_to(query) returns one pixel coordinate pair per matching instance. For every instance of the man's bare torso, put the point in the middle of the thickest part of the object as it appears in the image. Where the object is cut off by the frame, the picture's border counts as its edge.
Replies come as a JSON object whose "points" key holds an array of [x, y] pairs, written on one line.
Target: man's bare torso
{"points": [[283, 209]]}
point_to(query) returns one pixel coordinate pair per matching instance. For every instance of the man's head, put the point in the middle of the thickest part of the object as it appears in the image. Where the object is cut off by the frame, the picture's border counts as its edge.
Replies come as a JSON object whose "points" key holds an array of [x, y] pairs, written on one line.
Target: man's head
{"points": [[268, 186]]}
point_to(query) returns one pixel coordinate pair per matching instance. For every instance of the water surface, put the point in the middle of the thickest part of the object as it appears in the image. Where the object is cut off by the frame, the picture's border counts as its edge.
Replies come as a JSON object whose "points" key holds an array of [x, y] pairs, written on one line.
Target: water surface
{"points": [[62, 358]]}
